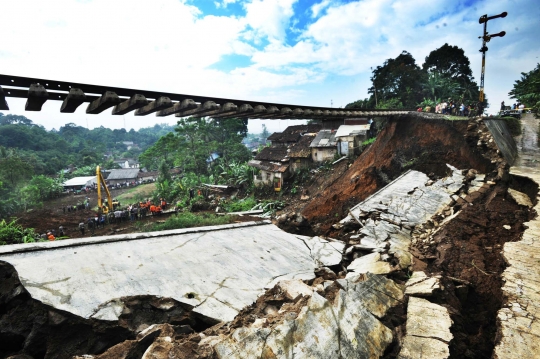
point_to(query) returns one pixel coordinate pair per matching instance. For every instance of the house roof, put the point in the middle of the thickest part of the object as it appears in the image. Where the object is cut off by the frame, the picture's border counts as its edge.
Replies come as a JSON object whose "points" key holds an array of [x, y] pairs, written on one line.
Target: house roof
{"points": [[325, 138], [148, 174], [124, 173], [277, 154], [269, 166], [80, 181], [301, 148], [293, 133], [352, 130]]}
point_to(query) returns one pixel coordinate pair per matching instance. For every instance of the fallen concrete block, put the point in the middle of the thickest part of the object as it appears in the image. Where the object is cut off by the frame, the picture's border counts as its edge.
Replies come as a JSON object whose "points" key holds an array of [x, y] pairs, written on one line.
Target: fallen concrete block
{"points": [[421, 285]]}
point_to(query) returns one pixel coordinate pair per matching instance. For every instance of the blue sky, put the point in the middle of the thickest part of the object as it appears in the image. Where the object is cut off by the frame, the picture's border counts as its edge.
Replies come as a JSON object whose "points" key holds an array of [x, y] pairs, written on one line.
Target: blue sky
{"points": [[291, 51]]}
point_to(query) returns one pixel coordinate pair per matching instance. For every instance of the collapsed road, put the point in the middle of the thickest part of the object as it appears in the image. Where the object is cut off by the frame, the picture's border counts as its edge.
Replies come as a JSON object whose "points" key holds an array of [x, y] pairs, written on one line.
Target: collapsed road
{"points": [[416, 268]]}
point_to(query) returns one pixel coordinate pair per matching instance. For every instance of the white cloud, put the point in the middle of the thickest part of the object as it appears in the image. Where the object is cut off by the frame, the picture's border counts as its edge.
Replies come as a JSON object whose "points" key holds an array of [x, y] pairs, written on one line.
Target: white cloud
{"points": [[269, 18], [171, 46], [224, 3], [319, 7]]}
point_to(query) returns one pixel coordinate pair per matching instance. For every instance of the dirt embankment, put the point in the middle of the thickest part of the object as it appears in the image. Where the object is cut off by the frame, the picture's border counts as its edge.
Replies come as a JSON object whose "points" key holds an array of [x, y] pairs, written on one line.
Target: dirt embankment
{"points": [[407, 142]]}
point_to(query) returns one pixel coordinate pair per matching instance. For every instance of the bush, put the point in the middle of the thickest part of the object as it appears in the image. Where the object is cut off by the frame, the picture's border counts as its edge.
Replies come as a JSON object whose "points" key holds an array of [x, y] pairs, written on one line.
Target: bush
{"points": [[189, 220], [13, 233], [241, 205], [514, 125]]}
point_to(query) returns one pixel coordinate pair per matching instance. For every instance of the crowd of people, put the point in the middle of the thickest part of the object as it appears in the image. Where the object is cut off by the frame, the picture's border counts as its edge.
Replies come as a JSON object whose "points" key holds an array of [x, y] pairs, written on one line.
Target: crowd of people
{"points": [[453, 108]]}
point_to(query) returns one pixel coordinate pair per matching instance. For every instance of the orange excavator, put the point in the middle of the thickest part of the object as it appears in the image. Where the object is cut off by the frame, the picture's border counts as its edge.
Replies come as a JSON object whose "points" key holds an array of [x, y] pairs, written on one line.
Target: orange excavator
{"points": [[108, 206]]}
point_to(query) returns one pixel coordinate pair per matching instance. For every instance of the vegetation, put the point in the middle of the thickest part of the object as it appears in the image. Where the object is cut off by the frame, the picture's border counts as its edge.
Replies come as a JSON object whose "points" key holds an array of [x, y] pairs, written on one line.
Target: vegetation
{"points": [[32, 159], [527, 90], [513, 124], [401, 83], [13, 233], [189, 220]]}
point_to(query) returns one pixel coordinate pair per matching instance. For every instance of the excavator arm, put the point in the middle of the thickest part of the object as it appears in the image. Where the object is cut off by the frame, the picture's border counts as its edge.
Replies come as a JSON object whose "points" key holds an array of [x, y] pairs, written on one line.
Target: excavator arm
{"points": [[101, 181]]}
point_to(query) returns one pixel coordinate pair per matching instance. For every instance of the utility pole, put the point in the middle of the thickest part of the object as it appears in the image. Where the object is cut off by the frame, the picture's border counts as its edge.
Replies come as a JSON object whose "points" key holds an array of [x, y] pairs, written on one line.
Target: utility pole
{"points": [[485, 39]]}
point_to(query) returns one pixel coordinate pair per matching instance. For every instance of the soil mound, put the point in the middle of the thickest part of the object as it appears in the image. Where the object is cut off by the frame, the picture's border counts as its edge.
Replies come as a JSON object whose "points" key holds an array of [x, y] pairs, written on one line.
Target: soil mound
{"points": [[407, 142]]}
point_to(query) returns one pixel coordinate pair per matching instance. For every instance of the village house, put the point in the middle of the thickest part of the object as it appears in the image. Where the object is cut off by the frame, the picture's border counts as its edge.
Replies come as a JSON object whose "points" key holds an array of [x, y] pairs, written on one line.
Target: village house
{"points": [[273, 164], [300, 153], [124, 175], [292, 134], [324, 146], [350, 138], [78, 183], [149, 176], [127, 163]]}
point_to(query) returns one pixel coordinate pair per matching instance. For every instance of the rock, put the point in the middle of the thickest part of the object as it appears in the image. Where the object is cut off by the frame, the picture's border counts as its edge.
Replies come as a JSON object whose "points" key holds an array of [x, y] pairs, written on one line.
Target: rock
{"points": [[521, 198], [421, 285], [428, 331], [370, 263], [507, 227], [294, 287], [314, 332]]}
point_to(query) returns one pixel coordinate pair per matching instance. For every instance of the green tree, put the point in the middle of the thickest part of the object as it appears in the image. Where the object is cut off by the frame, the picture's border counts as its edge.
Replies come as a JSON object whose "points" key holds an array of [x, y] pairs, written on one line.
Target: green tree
{"points": [[527, 89], [398, 79], [13, 167], [450, 75]]}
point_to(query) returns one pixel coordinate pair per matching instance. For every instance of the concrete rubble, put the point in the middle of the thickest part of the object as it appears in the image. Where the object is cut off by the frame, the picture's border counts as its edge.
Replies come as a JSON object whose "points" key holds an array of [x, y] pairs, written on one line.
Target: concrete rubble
{"points": [[421, 285], [428, 331], [348, 327], [194, 267], [519, 318]]}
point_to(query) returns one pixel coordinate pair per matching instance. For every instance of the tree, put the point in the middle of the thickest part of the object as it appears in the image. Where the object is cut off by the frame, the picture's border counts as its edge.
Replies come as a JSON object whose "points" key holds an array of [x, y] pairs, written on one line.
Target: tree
{"points": [[265, 133], [449, 69], [13, 167], [398, 79], [527, 89], [365, 103]]}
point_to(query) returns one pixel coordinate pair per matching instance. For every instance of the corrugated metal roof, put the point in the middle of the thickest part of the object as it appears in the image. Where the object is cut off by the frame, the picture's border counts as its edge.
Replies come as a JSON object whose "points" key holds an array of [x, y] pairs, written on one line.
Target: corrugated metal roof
{"points": [[80, 181], [351, 130], [325, 138], [269, 166], [293, 133], [124, 173], [273, 154]]}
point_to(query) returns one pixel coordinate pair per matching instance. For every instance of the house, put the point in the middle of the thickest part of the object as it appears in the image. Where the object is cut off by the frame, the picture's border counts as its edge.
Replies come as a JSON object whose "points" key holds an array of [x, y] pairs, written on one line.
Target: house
{"points": [[350, 138], [124, 175], [292, 134], [78, 183], [127, 163], [273, 164], [300, 153], [324, 146], [149, 176]]}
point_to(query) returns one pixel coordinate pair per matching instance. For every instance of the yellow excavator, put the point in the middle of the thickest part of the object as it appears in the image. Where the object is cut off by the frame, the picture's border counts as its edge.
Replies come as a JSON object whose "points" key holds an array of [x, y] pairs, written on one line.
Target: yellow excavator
{"points": [[108, 206]]}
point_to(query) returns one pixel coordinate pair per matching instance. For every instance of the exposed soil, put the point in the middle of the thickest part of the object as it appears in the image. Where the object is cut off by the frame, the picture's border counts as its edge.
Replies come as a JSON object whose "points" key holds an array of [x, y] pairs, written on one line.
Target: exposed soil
{"points": [[407, 142], [467, 252]]}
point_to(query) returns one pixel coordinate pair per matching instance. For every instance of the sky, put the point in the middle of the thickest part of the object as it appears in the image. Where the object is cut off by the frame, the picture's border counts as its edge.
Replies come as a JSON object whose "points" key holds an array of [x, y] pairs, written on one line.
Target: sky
{"points": [[315, 53]]}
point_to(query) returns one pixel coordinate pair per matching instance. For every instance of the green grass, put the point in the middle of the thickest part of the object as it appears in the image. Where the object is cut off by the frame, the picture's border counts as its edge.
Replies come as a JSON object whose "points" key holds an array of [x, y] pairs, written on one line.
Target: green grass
{"points": [[369, 142], [241, 205], [137, 194], [456, 118], [189, 220]]}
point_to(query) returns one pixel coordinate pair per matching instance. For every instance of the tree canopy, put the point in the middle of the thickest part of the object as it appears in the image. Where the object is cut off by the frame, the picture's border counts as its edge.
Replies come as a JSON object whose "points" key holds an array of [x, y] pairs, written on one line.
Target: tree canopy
{"points": [[401, 83], [527, 89]]}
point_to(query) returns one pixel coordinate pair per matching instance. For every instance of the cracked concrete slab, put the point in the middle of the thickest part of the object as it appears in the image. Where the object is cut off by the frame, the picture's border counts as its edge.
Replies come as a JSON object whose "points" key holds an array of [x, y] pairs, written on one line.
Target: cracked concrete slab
{"points": [[428, 331], [215, 270]]}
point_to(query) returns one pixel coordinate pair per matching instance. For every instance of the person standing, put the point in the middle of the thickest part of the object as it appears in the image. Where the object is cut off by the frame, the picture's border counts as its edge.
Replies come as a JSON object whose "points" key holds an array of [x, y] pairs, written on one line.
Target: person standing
{"points": [[81, 227], [61, 231], [502, 106]]}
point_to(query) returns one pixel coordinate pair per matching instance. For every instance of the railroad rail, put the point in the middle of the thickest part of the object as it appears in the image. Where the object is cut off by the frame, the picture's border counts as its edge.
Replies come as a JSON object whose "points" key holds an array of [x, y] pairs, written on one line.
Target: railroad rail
{"points": [[145, 102]]}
